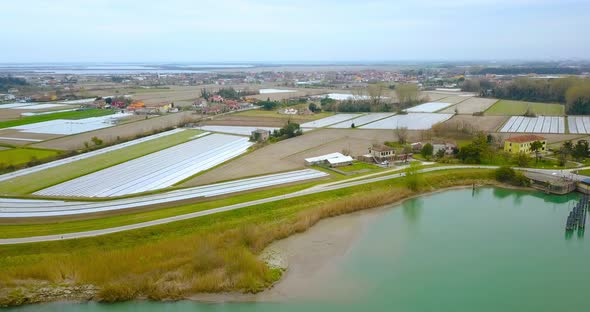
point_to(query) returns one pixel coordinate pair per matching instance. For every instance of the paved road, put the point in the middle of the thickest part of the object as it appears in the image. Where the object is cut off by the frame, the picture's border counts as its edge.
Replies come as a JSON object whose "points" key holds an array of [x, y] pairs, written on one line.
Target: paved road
{"points": [[312, 190]]}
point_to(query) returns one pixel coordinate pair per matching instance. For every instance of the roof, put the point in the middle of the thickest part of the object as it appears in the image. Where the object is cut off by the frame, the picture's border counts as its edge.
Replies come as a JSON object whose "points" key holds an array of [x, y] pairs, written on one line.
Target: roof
{"points": [[525, 138], [339, 160], [381, 148], [323, 157]]}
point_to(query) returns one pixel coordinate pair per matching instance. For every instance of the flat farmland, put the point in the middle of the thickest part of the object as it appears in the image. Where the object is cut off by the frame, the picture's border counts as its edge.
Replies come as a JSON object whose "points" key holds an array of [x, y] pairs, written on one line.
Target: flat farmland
{"points": [[154, 171], [16, 208], [73, 115], [455, 99], [479, 123], [541, 124], [334, 119], [579, 124], [429, 107], [29, 183], [290, 154], [513, 108], [19, 156], [362, 120], [471, 105], [238, 130], [261, 118], [411, 121], [123, 131]]}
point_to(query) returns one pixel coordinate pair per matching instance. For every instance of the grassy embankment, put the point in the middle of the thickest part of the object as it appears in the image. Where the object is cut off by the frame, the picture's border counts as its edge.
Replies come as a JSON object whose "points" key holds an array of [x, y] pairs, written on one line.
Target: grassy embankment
{"points": [[209, 254], [358, 165], [39, 180], [63, 115], [506, 107], [18, 156]]}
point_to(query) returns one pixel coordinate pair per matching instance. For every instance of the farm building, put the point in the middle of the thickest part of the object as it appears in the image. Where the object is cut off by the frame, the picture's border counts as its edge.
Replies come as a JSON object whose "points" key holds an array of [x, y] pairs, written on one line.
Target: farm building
{"points": [[260, 135], [448, 148], [381, 152], [522, 143], [333, 159]]}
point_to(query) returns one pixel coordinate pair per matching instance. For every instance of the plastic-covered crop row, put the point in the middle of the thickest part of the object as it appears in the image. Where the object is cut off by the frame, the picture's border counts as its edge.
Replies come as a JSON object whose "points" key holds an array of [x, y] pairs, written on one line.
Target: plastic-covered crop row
{"points": [[154, 171]]}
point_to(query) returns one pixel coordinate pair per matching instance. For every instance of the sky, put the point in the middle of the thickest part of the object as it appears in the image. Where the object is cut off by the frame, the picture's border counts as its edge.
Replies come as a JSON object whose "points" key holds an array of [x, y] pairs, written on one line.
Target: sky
{"points": [[292, 31]]}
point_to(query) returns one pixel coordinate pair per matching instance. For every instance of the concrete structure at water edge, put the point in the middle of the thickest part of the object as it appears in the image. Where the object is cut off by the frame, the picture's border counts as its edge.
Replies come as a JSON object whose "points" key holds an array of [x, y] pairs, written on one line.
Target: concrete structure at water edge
{"points": [[522, 144], [552, 184]]}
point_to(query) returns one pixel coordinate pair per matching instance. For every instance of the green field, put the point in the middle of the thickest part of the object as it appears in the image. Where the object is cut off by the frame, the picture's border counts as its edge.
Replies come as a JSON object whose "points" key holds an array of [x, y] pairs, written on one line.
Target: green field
{"points": [[19, 156], [63, 115], [39, 180], [358, 165], [512, 108]]}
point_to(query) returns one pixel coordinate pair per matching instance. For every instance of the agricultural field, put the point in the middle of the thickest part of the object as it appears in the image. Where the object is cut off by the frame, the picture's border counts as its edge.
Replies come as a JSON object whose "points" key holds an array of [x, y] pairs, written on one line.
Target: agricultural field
{"points": [[362, 120], [429, 107], [19, 156], [411, 121], [478, 123], [579, 124], [29, 183], [470, 106], [239, 130], [542, 124], [290, 154], [506, 107], [19, 208], [69, 127], [324, 122], [127, 130], [154, 171], [73, 115], [261, 118]]}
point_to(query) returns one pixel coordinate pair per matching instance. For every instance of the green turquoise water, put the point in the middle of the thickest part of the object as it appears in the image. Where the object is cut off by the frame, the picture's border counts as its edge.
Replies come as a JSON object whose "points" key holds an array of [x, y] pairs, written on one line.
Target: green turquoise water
{"points": [[459, 250]]}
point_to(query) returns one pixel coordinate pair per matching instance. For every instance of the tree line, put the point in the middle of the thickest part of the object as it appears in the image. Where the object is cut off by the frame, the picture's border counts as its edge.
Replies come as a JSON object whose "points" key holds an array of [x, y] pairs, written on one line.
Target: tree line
{"points": [[573, 92]]}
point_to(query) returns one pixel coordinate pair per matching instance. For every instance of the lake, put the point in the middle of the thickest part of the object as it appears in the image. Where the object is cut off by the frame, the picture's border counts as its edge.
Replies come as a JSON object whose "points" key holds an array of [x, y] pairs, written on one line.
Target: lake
{"points": [[488, 249]]}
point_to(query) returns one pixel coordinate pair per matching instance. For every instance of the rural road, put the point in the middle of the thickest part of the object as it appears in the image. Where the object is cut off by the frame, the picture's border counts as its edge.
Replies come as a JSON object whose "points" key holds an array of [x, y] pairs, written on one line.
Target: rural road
{"points": [[312, 190]]}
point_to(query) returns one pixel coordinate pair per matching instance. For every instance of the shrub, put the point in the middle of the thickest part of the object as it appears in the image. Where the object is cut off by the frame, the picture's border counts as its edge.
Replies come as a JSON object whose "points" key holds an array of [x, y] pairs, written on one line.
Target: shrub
{"points": [[510, 176]]}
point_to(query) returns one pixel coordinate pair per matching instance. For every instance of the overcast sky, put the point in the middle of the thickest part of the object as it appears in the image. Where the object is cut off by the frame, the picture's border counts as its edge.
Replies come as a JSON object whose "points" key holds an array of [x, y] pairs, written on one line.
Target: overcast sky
{"points": [[301, 30]]}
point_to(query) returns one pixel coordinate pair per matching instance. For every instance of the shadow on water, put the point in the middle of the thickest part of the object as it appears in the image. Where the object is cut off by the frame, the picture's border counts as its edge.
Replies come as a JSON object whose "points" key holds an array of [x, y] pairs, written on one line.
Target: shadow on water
{"points": [[412, 209], [549, 198]]}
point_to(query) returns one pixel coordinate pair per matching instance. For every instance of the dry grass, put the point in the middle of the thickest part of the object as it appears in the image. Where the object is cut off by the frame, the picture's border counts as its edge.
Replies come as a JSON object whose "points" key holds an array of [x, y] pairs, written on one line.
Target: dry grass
{"points": [[212, 254]]}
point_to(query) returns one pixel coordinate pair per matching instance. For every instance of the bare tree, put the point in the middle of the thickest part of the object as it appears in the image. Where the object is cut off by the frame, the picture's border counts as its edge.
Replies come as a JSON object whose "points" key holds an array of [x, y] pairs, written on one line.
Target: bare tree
{"points": [[402, 134]]}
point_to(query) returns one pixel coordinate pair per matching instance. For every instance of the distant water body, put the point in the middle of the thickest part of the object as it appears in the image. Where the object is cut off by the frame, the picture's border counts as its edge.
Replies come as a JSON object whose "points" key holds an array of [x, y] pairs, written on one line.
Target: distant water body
{"points": [[460, 250], [105, 69]]}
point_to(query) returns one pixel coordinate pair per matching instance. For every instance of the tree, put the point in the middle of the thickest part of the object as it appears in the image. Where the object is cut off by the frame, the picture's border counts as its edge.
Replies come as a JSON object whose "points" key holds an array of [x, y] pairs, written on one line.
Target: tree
{"points": [[96, 141], [536, 147], [402, 134], [476, 151], [562, 154], [413, 180], [314, 107], [578, 99], [580, 150], [427, 150], [522, 159], [407, 94], [375, 91]]}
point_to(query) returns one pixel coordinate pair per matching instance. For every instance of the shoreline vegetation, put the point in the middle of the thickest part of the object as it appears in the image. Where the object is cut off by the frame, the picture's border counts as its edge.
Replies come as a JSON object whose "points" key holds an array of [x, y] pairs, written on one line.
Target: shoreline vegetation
{"points": [[214, 254]]}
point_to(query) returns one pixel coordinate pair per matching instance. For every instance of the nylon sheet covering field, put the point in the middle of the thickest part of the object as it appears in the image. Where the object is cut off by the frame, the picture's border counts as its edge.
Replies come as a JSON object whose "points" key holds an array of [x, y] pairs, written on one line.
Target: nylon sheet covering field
{"points": [[578, 124], [154, 171], [362, 120], [324, 122], [412, 121], [540, 124]]}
